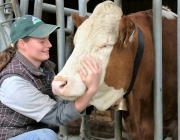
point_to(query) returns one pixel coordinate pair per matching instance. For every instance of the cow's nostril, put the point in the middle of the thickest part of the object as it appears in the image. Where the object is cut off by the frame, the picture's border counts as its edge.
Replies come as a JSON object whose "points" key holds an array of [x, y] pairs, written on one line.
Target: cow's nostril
{"points": [[61, 80], [63, 84]]}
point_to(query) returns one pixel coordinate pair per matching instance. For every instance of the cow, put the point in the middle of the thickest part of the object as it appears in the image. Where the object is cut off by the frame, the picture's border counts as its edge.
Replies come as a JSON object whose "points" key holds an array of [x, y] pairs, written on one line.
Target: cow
{"points": [[115, 38]]}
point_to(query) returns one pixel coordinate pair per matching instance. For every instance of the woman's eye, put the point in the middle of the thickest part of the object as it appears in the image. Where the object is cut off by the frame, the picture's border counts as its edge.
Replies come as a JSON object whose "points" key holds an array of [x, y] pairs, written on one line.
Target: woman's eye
{"points": [[41, 41]]}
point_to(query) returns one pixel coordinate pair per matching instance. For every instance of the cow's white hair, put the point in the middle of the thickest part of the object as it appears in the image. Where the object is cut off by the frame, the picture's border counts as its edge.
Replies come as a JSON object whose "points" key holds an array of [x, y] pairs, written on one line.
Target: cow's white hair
{"points": [[167, 13], [102, 25]]}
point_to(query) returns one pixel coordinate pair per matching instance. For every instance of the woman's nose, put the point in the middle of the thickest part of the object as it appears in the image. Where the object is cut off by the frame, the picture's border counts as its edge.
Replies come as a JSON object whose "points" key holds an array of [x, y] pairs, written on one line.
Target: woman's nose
{"points": [[49, 44]]}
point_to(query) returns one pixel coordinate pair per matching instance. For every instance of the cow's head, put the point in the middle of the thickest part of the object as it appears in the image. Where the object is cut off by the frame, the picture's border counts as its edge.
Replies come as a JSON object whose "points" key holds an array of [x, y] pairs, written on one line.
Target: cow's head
{"points": [[108, 36]]}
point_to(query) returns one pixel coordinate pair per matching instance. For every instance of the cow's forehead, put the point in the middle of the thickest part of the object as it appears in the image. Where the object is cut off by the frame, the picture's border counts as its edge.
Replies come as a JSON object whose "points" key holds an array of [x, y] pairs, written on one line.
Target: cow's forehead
{"points": [[107, 7], [101, 28]]}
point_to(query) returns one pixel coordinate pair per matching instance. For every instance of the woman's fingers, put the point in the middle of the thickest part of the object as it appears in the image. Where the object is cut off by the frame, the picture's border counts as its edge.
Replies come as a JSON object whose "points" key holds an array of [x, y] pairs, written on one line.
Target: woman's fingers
{"points": [[91, 65], [97, 63], [90, 72], [88, 65]]}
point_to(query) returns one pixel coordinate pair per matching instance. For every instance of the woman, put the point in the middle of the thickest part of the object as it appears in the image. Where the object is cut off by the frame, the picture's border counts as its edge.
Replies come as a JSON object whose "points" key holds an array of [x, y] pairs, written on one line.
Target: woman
{"points": [[26, 98]]}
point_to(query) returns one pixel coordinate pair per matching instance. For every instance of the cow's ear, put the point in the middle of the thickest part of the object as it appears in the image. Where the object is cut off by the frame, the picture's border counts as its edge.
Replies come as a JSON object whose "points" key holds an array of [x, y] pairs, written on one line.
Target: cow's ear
{"points": [[77, 20], [126, 31]]}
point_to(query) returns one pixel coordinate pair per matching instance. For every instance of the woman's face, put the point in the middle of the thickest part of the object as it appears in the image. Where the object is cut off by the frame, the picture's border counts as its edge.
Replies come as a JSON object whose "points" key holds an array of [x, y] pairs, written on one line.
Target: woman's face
{"points": [[36, 50]]}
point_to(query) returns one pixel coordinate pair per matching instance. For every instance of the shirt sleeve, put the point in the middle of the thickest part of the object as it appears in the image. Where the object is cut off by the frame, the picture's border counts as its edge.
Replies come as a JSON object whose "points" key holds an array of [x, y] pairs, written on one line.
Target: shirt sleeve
{"points": [[21, 96], [62, 114]]}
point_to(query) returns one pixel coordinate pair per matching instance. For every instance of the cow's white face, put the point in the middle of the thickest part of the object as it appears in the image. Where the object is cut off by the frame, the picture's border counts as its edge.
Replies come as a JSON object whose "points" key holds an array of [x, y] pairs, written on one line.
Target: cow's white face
{"points": [[96, 37]]}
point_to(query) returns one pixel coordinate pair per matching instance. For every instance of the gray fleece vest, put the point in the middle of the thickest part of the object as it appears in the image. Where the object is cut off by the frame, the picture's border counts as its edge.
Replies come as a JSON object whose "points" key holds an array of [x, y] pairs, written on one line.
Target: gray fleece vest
{"points": [[12, 123]]}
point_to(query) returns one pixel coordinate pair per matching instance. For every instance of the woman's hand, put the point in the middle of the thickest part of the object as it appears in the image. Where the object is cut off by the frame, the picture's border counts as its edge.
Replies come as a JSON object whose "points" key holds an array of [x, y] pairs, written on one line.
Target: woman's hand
{"points": [[90, 73]]}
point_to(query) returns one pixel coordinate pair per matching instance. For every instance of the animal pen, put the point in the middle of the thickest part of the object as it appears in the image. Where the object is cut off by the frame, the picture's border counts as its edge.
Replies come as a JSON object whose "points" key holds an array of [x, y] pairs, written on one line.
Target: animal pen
{"points": [[11, 9]]}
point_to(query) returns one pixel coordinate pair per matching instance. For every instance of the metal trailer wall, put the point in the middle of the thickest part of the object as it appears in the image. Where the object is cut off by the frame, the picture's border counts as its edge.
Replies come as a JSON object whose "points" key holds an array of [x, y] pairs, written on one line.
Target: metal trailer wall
{"points": [[69, 29]]}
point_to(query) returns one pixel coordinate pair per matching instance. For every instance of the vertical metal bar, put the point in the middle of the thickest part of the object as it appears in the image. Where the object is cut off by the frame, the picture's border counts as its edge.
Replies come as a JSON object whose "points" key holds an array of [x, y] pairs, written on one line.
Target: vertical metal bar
{"points": [[118, 2], [82, 7], [38, 8], [4, 29], [63, 133], [178, 64], [60, 34], [16, 8], [24, 5], [118, 124], [69, 38], [8, 12], [85, 127], [157, 36], [61, 47]]}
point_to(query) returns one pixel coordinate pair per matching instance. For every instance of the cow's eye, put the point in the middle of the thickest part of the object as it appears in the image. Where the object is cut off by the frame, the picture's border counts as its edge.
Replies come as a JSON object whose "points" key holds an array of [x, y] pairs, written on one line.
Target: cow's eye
{"points": [[105, 47], [100, 48], [109, 46]]}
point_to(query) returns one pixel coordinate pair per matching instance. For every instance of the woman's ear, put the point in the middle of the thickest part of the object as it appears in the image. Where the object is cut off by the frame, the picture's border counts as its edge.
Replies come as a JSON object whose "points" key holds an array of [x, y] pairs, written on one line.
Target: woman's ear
{"points": [[21, 44]]}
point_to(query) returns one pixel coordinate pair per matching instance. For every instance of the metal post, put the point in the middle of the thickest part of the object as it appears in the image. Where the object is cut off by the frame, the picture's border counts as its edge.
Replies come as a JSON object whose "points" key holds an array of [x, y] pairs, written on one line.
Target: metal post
{"points": [[60, 33], [178, 64], [8, 12], [38, 8], [157, 36], [118, 124], [69, 39], [85, 127], [118, 2], [4, 28], [61, 48], [82, 7], [24, 5], [16, 8], [63, 133]]}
